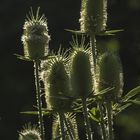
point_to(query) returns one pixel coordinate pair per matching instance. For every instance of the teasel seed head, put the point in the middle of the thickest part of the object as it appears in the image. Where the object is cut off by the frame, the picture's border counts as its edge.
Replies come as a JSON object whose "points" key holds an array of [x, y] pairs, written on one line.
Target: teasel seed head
{"points": [[71, 121], [109, 75], [35, 36], [81, 70], [29, 133], [93, 16], [57, 84]]}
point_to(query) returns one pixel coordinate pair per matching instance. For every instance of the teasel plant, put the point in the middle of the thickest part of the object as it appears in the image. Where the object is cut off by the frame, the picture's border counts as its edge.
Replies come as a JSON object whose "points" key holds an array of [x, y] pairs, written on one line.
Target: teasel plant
{"points": [[82, 77], [35, 40], [76, 80], [107, 67], [55, 75]]}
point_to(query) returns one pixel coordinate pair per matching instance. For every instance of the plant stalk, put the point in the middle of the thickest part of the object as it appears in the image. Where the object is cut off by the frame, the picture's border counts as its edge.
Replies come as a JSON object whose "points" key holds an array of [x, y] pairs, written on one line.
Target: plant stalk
{"points": [[62, 127], [39, 102], [68, 127], [94, 50], [110, 120], [87, 122], [102, 122]]}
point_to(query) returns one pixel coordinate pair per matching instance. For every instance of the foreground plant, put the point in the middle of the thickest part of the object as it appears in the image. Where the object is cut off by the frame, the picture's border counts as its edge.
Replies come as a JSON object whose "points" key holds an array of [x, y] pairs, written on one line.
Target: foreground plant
{"points": [[77, 81]]}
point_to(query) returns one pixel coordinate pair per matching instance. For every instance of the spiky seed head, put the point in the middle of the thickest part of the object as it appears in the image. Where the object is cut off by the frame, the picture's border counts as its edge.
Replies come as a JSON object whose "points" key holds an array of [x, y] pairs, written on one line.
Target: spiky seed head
{"points": [[81, 75], [93, 16], [57, 85], [35, 37], [29, 133], [109, 75], [71, 122]]}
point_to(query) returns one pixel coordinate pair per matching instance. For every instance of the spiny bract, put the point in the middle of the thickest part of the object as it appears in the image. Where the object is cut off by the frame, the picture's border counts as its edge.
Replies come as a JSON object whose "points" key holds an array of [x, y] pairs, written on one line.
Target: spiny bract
{"points": [[35, 37]]}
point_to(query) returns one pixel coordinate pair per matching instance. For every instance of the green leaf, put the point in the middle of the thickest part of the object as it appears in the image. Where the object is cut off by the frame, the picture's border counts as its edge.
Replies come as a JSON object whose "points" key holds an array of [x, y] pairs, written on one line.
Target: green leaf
{"points": [[75, 31], [136, 102], [93, 114], [122, 108], [131, 94], [35, 112], [110, 32], [104, 91], [22, 57]]}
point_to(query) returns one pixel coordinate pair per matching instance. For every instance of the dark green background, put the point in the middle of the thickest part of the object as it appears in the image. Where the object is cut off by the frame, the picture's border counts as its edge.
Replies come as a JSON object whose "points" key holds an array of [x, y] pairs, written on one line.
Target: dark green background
{"points": [[17, 90]]}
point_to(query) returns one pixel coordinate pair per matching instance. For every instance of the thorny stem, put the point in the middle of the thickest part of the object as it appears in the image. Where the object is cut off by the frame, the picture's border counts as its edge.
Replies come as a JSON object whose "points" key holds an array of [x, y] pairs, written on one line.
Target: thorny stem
{"points": [[38, 96], [110, 120], [102, 122], [87, 122], [68, 127], [62, 127], [94, 50]]}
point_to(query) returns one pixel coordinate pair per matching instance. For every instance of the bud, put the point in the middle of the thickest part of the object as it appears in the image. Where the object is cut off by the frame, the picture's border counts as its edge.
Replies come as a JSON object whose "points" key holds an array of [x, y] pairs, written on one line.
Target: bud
{"points": [[109, 75], [81, 76], [29, 133], [93, 16], [71, 122], [57, 86], [35, 37]]}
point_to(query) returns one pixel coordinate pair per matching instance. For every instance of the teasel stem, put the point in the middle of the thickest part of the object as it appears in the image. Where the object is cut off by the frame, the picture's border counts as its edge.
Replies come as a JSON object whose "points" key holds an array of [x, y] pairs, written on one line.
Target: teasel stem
{"points": [[87, 122], [109, 114], [38, 96], [102, 121], [62, 126], [68, 127], [94, 50]]}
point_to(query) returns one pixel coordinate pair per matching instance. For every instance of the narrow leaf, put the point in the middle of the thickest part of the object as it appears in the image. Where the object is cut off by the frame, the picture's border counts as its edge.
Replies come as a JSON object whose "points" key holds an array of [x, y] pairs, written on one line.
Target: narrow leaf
{"points": [[131, 94], [22, 57], [34, 113]]}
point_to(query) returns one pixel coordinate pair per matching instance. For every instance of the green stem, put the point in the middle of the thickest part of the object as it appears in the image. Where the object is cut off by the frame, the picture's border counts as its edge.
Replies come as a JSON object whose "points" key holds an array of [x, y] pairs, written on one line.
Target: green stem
{"points": [[110, 120], [94, 50], [68, 127], [102, 122], [38, 96], [62, 127], [87, 122]]}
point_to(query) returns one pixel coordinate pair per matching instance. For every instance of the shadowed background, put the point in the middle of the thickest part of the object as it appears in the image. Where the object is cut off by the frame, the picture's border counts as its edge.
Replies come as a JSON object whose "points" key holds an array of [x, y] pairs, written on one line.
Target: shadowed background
{"points": [[16, 76]]}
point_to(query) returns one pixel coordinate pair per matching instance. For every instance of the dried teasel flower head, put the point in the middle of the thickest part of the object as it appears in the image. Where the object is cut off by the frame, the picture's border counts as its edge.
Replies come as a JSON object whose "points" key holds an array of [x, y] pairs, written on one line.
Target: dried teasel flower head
{"points": [[29, 133], [93, 16], [81, 69], [109, 75], [35, 37], [57, 85]]}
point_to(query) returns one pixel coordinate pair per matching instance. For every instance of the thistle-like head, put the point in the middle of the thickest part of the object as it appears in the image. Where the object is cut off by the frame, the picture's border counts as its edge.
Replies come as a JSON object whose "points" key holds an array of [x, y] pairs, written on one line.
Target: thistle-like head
{"points": [[57, 86], [81, 70], [29, 133], [35, 36]]}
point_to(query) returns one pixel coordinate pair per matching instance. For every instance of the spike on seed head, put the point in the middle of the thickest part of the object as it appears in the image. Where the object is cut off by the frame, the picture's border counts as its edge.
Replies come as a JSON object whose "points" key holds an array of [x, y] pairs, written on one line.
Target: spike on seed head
{"points": [[35, 37]]}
